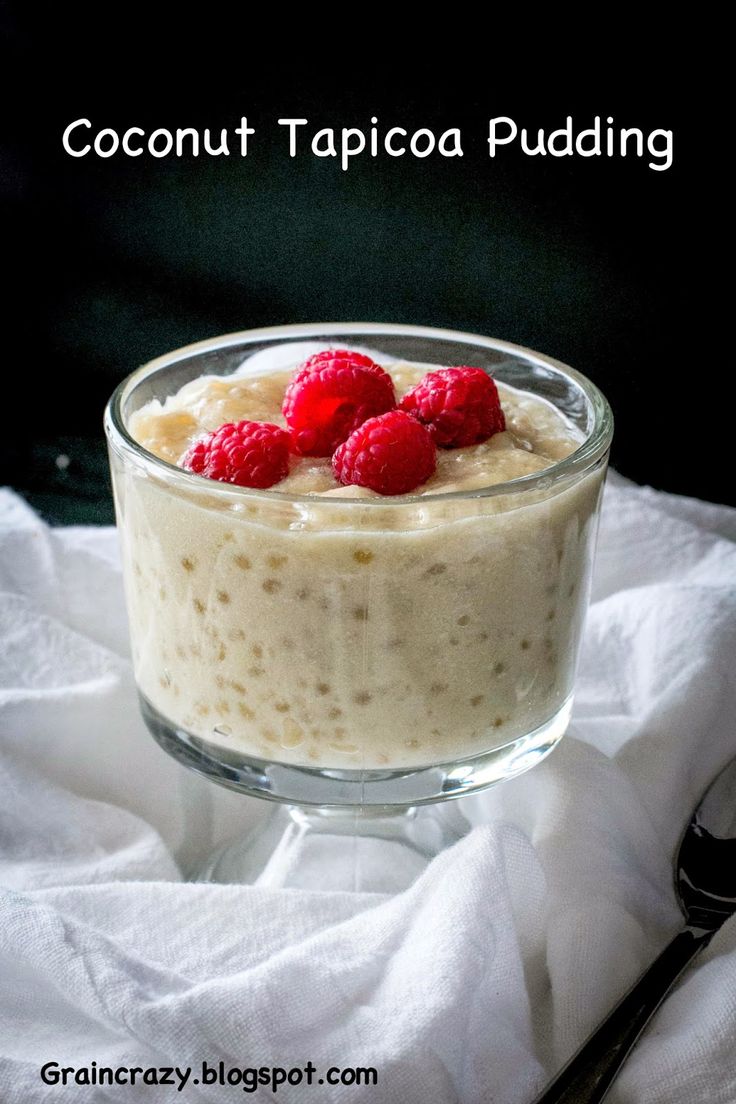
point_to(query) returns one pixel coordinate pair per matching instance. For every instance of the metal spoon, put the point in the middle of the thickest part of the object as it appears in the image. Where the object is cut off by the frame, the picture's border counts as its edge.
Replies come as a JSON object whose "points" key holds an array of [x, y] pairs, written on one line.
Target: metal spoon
{"points": [[705, 881]]}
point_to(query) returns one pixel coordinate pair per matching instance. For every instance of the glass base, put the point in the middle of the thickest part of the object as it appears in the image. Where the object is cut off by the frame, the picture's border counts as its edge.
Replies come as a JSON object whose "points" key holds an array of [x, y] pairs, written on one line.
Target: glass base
{"points": [[375, 850], [358, 789]]}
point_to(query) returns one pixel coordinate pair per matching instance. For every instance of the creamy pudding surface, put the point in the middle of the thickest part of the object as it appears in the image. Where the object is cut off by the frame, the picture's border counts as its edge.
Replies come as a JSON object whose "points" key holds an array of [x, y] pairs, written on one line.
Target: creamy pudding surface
{"points": [[536, 435], [379, 634]]}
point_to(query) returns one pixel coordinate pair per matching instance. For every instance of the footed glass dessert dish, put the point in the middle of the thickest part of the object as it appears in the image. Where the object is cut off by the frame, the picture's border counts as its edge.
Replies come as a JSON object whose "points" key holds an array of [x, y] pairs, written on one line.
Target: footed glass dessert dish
{"points": [[352, 654]]}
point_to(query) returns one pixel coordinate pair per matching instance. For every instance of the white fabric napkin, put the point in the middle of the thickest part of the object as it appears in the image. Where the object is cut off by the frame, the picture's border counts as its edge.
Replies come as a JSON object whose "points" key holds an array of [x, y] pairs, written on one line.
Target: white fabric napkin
{"points": [[472, 986]]}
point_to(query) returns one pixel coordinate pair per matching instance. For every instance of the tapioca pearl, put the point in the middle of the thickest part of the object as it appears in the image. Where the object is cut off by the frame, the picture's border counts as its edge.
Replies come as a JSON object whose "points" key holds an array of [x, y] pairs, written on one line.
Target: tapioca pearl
{"points": [[199, 605], [525, 645], [322, 688], [454, 641], [476, 700], [362, 697], [256, 672], [257, 651], [303, 593], [242, 562], [343, 749], [281, 707], [483, 636], [237, 686], [362, 556], [188, 564], [221, 653], [269, 736], [360, 613], [395, 642], [228, 538], [551, 614], [276, 561], [224, 597], [436, 569], [271, 586], [292, 734], [334, 713], [498, 722], [438, 688], [499, 668], [201, 709], [222, 706], [464, 620], [246, 711]]}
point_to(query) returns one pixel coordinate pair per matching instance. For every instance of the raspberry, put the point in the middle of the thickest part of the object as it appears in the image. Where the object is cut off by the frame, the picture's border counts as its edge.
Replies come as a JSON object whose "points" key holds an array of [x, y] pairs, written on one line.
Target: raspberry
{"points": [[318, 360], [331, 395], [250, 454], [460, 405], [391, 454]]}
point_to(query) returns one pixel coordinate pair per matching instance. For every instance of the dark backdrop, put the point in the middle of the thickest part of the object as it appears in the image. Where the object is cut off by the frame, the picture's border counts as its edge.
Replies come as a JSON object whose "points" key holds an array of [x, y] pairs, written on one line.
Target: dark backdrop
{"points": [[596, 262]]}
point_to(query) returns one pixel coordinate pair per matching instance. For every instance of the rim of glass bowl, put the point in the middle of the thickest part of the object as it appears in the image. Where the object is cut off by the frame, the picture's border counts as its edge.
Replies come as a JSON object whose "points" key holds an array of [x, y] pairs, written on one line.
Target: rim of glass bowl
{"points": [[586, 456]]}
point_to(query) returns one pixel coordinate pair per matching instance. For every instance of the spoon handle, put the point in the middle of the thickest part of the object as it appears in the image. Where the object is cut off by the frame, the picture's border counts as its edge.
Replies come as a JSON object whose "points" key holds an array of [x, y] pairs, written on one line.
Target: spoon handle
{"points": [[589, 1074]]}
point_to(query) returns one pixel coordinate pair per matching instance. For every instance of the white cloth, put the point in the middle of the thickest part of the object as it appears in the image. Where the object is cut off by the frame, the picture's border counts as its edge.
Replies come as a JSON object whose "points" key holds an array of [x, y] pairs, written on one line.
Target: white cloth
{"points": [[472, 986]]}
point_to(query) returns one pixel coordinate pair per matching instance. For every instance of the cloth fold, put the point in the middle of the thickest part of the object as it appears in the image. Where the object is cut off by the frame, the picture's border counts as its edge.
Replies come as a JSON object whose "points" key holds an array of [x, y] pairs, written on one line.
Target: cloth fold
{"points": [[476, 983]]}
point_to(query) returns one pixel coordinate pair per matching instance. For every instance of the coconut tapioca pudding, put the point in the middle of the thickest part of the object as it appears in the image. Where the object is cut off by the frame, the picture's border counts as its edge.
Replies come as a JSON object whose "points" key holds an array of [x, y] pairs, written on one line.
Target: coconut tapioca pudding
{"points": [[357, 559]]}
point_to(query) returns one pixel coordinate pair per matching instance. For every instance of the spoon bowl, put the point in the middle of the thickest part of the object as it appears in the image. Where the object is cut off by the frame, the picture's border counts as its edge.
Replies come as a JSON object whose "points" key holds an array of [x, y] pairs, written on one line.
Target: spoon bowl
{"points": [[705, 876]]}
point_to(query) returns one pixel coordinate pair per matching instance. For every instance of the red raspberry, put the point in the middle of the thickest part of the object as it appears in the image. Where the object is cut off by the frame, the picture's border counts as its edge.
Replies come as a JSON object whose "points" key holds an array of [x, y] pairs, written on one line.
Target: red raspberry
{"points": [[391, 454], [330, 396], [251, 454], [460, 405], [319, 360]]}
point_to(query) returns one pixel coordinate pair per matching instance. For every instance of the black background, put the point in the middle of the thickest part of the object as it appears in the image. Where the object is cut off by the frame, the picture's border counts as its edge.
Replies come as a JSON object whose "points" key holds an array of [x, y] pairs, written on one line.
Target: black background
{"points": [[598, 262]]}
